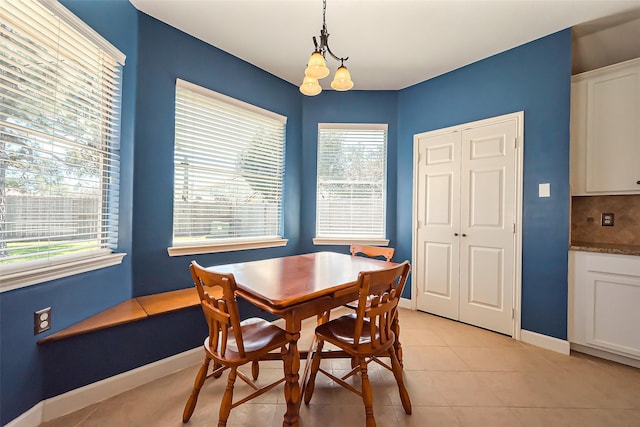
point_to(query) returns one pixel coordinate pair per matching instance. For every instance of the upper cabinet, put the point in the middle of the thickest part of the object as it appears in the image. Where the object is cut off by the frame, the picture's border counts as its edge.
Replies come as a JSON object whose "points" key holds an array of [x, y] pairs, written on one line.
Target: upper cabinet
{"points": [[605, 130]]}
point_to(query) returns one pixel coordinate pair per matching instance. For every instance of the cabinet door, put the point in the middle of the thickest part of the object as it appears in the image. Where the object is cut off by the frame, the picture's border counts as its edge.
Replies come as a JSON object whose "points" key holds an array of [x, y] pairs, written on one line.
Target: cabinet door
{"points": [[612, 316], [604, 296], [613, 131], [578, 137]]}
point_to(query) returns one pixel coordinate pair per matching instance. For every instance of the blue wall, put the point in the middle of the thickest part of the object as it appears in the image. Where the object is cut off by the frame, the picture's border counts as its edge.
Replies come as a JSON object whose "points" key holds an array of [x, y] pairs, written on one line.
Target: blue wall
{"points": [[344, 107], [534, 78], [31, 373], [24, 367], [167, 54]]}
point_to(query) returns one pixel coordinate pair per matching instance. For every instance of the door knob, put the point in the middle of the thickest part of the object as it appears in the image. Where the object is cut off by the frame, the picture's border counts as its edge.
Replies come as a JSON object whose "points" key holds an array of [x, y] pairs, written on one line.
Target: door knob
{"points": [[455, 234], [638, 182], [464, 235]]}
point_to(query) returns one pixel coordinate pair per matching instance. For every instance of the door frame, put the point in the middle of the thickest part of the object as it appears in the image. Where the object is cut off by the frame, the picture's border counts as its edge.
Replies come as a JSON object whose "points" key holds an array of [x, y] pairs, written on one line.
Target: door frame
{"points": [[519, 158]]}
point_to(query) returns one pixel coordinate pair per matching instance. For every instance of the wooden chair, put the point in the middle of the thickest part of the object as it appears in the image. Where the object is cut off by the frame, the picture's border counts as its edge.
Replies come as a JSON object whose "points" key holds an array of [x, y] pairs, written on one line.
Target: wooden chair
{"points": [[365, 335], [231, 343], [387, 254], [373, 251]]}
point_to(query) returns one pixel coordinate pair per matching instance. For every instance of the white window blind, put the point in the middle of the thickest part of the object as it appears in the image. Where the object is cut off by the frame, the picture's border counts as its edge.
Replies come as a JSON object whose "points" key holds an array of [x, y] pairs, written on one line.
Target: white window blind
{"points": [[59, 136], [229, 167], [351, 185]]}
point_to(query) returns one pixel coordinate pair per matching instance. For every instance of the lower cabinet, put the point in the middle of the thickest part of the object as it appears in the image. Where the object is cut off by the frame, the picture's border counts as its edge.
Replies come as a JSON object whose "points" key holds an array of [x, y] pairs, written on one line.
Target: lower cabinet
{"points": [[604, 302]]}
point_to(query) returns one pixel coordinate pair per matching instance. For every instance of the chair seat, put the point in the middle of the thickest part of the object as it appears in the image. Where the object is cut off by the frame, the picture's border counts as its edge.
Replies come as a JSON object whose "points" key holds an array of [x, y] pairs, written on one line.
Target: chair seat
{"points": [[258, 336], [339, 332]]}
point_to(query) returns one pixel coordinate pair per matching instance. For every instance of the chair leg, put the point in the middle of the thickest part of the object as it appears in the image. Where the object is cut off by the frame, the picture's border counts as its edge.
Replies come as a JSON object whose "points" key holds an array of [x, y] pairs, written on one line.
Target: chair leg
{"points": [[354, 362], [397, 373], [227, 398], [315, 365], [193, 398], [367, 394], [395, 327], [215, 367], [255, 370]]}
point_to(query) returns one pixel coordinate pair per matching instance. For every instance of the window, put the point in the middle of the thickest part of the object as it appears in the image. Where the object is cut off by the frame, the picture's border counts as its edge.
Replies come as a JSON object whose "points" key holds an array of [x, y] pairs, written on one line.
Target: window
{"points": [[228, 173], [59, 144], [351, 185]]}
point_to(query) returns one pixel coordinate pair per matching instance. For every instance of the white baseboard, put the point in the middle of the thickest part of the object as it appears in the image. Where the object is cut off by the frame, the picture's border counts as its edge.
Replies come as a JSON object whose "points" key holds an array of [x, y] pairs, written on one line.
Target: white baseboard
{"points": [[545, 341], [405, 303], [606, 355], [31, 418], [82, 397]]}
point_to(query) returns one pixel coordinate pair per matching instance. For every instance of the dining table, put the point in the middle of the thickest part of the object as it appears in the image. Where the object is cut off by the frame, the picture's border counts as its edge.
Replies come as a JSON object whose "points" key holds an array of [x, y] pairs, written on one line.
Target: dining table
{"points": [[295, 288]]}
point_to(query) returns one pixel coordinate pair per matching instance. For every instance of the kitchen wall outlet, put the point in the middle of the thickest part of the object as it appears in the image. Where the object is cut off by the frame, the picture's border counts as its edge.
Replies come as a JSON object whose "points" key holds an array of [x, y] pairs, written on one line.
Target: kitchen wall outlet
{"points": [[606, 219], [41, 320]]}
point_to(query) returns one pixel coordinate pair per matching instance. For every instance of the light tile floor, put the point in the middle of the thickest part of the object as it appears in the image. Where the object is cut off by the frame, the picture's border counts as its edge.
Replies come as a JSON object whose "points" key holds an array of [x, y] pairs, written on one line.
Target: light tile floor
{"points": [[456, 375]]}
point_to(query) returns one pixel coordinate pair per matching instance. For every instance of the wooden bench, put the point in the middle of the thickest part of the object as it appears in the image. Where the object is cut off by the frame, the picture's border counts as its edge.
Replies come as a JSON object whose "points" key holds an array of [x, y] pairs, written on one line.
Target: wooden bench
{"points": [[130, 311]]}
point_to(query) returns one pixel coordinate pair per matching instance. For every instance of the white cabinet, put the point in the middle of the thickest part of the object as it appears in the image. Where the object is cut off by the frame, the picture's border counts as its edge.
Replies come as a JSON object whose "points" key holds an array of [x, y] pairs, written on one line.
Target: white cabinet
{"points": [[604, 302], [605, 130]]}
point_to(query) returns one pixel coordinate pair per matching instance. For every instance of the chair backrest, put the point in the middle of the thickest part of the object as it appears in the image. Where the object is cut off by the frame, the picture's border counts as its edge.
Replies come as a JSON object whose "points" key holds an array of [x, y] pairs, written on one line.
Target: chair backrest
{"points": [[221, 313], [380, 292], [373, 251]]}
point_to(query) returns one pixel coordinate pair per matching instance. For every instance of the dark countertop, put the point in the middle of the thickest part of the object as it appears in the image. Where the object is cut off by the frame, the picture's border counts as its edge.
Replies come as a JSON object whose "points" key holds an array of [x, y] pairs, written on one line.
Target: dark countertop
{"points": [[605, 248]]}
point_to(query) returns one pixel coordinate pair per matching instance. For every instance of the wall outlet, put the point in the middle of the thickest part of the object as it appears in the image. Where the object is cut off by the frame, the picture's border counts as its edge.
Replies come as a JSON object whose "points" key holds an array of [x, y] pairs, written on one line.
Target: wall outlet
{"points": [[607, 219], [41, 320]]}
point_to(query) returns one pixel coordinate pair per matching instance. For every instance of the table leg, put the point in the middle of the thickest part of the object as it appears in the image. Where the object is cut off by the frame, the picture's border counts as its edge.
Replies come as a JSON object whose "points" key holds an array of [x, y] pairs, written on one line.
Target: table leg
{"points": [[291, 385]]}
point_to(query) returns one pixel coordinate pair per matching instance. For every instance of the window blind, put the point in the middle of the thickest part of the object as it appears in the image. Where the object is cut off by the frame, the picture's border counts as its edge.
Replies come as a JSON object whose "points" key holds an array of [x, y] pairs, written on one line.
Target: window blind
{"points": [[351, 185], [229, 168], [59, 135]]}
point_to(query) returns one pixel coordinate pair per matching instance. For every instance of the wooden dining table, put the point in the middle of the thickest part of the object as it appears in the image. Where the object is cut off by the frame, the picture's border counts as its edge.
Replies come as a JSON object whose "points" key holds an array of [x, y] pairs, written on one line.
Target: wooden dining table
{"points": [[295, 288]]}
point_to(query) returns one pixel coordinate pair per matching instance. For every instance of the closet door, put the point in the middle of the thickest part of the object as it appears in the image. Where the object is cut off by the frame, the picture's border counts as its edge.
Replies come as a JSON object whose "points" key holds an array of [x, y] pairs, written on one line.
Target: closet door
{"points": [[438, 221], [465, 210], [487, 227]]}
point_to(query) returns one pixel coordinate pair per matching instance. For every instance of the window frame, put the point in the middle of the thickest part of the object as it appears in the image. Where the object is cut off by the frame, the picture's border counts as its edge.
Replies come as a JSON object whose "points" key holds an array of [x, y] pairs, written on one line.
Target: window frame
{"points": [[347, 240], [196, 247], [26, 273]]}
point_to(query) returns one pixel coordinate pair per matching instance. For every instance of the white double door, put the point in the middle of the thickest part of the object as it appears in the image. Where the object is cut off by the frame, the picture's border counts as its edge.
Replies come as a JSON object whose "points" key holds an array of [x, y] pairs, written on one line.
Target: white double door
{"points": [[465, 202]]}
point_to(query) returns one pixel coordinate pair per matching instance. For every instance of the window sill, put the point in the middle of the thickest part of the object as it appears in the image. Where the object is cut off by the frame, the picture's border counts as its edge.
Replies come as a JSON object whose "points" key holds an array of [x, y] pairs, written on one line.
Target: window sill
{"points": [[347, 241], [224, 247], [46, 273]]}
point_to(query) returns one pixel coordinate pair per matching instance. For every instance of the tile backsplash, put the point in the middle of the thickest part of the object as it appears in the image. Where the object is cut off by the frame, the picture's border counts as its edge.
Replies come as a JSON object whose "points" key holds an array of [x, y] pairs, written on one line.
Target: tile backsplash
{"points": [[586, 214]]}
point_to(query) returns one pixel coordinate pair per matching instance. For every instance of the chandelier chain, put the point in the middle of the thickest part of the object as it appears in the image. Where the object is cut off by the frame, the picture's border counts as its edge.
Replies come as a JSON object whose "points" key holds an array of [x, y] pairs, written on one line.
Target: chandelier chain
{"points": [[324, 13]]}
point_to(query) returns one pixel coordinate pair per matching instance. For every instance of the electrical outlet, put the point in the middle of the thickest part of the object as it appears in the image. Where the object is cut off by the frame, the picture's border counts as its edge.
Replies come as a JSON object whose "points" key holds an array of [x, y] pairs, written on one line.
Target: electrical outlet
{"points": [[607, 219], [41, 320]]}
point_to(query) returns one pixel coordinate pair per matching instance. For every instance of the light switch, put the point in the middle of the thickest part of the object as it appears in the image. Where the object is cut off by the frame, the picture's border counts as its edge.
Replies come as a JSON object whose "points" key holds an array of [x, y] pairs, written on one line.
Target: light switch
{"points": [[544, 190]]}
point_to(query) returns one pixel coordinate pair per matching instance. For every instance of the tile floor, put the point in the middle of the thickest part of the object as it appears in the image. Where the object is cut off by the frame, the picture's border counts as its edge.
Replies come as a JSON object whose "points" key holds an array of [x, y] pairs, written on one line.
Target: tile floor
{"points": [[456, 374]]}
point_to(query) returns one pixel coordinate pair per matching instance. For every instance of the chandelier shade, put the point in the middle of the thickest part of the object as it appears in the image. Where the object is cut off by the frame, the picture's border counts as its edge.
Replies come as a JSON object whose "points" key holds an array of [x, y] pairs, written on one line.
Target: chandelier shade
{"points": [[317, 65], [310, 86], [342, 79]]}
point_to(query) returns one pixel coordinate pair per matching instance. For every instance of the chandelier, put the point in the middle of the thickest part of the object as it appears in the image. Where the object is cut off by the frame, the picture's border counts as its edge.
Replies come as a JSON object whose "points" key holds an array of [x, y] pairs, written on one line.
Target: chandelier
{"points": [[317, 66]]}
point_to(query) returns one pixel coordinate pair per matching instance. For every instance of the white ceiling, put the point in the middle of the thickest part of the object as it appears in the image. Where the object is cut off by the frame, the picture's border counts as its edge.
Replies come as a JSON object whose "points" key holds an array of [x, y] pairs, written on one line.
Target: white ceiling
{"points": [[391, 44]]}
